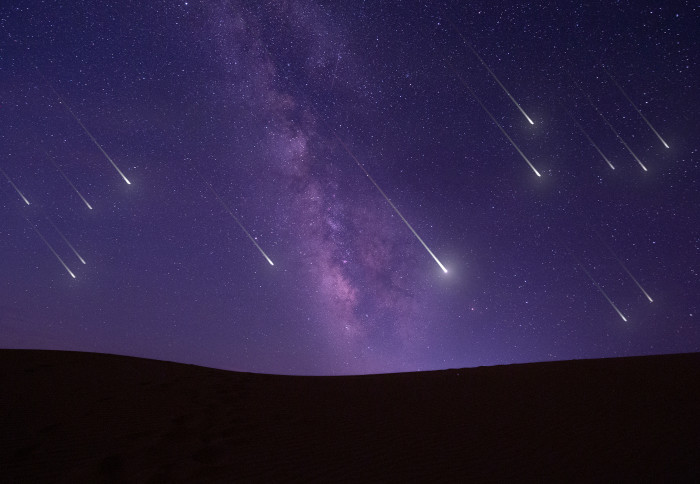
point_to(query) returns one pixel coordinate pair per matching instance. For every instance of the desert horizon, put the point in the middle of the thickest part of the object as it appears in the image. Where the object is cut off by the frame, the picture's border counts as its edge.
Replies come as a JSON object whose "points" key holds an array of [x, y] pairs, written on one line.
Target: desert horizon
{"points": [[78, 417]]}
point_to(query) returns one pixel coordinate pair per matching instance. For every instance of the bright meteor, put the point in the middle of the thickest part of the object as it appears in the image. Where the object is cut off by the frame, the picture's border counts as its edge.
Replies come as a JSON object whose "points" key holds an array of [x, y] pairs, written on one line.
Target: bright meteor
{"points": [[633, 278], [618, 136], [578, 125], [68, 180], [66, 240], [230, 212], [497, 123], [634, 106], [590, 101], [602, 292], [84, 128], [14, 186], [619, 261], [444, 269], [50, 248], [454, 27]]}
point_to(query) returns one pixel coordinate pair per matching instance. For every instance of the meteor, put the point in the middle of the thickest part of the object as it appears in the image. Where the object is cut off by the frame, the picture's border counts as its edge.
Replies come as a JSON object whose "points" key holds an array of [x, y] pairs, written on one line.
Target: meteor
{"points": [[619, 261], [50, 248], [590, 101], [590, 140], [66, 240], [602, 292], [619, 137], [68, 180], [14, 186], [632, 277], [230, 212], [454, 27], [634, 106], [83, 126], [444, 269], [496, 123]]}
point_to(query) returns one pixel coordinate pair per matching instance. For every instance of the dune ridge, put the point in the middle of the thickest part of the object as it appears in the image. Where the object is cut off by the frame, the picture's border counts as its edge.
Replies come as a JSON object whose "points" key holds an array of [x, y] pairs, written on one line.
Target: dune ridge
{"points": [[85, 417]]}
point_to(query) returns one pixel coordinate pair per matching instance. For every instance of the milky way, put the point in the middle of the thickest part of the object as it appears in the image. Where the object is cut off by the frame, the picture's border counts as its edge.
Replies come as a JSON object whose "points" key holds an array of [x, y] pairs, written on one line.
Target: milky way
{"points": [[260, 97]]}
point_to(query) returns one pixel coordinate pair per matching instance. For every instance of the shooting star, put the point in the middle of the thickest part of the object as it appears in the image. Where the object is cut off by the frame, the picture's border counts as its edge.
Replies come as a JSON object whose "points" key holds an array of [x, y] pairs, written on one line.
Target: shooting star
{"points": [[631, 276], [83, 126], [634, 106], [14, 186], [622, 264], [66, 240], [590, 101], [50, 248], [454, 27], [230, 212], [496, 123], [444, 269], [67, 179], [578, 125], [602, 292]]}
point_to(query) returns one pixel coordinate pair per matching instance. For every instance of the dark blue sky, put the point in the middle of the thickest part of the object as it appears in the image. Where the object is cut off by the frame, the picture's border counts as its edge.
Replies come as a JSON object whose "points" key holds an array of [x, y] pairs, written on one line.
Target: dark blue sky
{"points": [[254, 96]]}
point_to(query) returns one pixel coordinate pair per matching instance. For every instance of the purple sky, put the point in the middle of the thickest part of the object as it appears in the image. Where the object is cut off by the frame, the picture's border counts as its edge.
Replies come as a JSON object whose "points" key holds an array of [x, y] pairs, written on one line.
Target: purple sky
{"points": [[254, 96]]}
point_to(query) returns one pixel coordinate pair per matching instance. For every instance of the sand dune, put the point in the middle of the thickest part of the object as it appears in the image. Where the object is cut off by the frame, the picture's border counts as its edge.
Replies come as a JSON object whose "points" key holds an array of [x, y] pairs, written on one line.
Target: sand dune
{"points": [[83, 417]]}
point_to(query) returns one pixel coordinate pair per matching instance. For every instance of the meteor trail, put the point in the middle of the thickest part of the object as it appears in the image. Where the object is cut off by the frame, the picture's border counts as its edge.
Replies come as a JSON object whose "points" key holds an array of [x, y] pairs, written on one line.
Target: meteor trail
{"points": [[444, 269], [496, 123], [602, 292], [632, 277], [634, 106], [618, 136], [230, 212], [454, 27], [590, 101], [590, 140], [66, 178], [14, 186], [83, 126], [50, 248], [619, 261], [66, 240]]}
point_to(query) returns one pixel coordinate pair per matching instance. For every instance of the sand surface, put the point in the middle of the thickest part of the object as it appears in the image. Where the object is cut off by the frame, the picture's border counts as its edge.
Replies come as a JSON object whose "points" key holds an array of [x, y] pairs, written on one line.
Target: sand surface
{"points": [[84, 417]]}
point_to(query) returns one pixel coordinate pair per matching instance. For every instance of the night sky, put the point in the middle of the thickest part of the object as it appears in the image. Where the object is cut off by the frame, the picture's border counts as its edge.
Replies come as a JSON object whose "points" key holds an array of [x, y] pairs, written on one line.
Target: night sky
{"points": [[205, 105]]}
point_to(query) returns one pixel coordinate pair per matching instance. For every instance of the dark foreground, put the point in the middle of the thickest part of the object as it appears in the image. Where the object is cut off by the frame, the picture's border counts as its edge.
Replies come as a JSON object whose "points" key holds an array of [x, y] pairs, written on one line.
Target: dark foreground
{"points": [[82, 417]]}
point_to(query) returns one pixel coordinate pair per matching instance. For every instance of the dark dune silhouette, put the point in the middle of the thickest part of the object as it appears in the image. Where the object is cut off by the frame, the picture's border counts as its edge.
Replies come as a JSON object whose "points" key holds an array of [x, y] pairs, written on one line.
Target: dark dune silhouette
{"points": [[84, 417]]}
